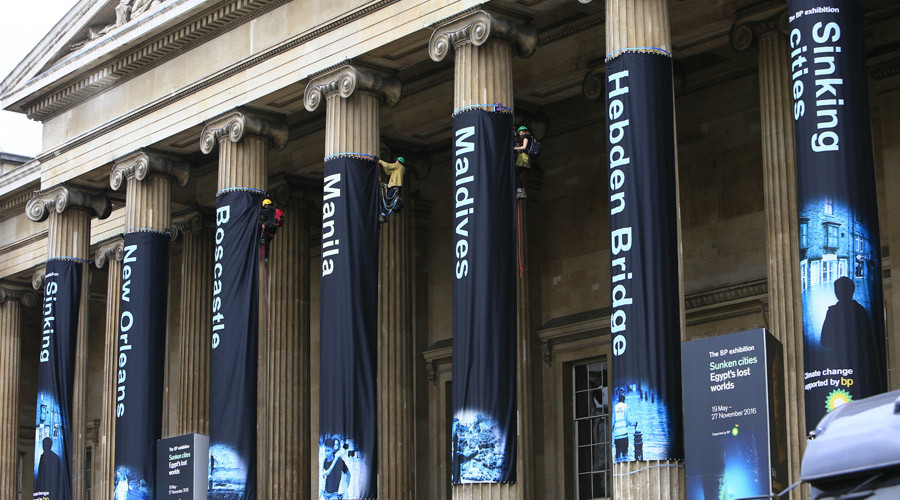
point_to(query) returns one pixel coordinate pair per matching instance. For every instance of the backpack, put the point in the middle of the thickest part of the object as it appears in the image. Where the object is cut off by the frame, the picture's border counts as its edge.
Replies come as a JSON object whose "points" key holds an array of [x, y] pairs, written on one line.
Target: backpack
{"points": [[534, 148]]}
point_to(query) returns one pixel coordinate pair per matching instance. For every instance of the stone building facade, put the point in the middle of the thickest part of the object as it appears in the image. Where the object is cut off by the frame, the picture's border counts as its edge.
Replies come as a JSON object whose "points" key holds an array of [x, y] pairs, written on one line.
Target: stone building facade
{"points": [[155, 106]]}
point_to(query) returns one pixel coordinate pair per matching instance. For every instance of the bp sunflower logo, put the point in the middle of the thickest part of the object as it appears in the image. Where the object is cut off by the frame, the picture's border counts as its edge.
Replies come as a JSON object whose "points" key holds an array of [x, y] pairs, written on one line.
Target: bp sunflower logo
{"points": [[837, 398]]}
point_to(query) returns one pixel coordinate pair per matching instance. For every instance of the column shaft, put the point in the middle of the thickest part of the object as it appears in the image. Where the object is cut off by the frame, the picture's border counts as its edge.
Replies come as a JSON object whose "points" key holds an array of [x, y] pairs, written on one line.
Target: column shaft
{"points": [[10, 335], [782, 231], [196, 331], [395, 360], [351, 124], [243, 164], [286, 367], [105, 454], [643, 24], [147, 203], [69, 235], [524, 368], [483, 75]]}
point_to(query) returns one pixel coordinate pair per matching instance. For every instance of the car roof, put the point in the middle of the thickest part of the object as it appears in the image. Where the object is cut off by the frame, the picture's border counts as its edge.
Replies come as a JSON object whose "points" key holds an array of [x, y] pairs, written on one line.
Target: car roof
{"points": [[856, 437]]}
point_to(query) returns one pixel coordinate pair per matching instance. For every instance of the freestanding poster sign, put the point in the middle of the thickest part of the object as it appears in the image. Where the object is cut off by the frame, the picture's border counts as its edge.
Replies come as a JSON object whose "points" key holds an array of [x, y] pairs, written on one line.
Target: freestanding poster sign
{"points": [[181, 468], [734, 412]]}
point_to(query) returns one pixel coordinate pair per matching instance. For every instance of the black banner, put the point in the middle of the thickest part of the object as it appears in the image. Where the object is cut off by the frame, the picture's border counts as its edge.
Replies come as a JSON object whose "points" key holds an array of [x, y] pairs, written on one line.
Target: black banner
{"points": [[233, 362], [645, 320], [483, 445], [734, 416], [840, 258], [140, 366], [349, 316], [56, 377]]}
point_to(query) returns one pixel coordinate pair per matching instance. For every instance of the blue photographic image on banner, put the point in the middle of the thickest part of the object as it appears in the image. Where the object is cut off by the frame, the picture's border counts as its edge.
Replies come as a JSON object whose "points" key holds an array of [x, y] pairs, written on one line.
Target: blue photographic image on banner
{"points": [[344, 469], [130, 485], [731, 465], [48, 445], [227, 473], [640, 423], [478, 448]]}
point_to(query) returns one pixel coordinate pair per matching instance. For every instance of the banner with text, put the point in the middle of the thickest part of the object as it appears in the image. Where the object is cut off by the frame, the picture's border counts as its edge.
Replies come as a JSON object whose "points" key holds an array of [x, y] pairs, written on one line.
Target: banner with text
{"points": [[56, 376], [141, 362], [840, 257], [735, 427], [349, 334], [233, 362], [645, 321], [484, 430]]}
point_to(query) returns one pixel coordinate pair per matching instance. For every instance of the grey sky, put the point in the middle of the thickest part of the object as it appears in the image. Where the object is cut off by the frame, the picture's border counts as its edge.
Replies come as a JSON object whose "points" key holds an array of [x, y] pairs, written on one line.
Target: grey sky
{"points": [[23, 24]]}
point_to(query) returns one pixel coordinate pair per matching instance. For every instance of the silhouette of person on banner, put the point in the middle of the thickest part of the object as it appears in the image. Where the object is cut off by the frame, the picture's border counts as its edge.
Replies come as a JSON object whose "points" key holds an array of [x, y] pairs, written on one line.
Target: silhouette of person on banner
{"points": [[49, 471], [333, 469], [847, 322]]}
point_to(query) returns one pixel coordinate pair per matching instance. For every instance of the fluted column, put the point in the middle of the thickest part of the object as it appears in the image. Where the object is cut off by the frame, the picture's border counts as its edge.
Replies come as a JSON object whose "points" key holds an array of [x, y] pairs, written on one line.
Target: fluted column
{"points": [[112, 253], [483, 45], [196, 324], [244, 140], [69, 237], [286, 368], [11, 302], [782, 224], [396, 422], [643, 26]]}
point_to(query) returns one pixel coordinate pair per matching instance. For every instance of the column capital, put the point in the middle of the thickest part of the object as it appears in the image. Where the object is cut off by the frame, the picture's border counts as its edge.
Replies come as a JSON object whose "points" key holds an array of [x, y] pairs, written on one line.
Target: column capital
{"points": [[477, 27], [236, 124], [190, 222], [37, 279], [61, 197], [140, 164], [113, 249], [347, 78], [744, 33], [16, 294]]}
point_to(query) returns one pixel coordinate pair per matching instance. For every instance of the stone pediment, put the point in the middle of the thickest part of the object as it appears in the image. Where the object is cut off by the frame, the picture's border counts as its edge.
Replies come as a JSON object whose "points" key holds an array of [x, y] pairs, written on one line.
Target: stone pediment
{"points": [[102, 43]]}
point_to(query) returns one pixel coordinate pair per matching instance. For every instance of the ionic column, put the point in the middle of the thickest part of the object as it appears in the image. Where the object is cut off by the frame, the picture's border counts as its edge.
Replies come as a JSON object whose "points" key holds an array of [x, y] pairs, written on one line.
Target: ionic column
{"points": [[111, 252], [782, 231], [483, 46], [285, 372], [70, 211], [643, 25], [196, 323], [244, 140], [148, 197], [11, 302], [353, 98]]}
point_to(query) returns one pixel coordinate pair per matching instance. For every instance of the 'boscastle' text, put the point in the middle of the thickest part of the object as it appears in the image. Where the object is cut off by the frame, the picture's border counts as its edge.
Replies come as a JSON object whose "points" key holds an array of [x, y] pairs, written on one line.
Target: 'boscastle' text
{"points": [[223, 215], [619, 159]]}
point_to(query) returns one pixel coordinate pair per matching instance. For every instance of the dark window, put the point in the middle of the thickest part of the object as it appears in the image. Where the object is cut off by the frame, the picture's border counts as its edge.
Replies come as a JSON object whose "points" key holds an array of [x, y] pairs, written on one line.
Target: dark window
{"points": [[591, 428], [804, 234], [831, 236], [829, 206]]}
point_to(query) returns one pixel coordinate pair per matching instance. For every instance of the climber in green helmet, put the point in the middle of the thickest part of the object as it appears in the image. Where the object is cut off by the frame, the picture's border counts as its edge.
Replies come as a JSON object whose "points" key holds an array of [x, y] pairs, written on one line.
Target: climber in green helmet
{"points": [[524, 140], [396, 171]]}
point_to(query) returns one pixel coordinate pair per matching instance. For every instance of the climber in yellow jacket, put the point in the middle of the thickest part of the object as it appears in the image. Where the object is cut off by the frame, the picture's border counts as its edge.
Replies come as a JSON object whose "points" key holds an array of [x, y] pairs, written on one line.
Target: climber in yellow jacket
{"points": [[393, 201]]}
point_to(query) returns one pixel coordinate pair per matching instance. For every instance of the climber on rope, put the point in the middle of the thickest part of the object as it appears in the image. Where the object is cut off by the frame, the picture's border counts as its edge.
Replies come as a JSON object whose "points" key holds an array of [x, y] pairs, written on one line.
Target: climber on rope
{"points": [[270, 219], [392, 200], [527, 147]]}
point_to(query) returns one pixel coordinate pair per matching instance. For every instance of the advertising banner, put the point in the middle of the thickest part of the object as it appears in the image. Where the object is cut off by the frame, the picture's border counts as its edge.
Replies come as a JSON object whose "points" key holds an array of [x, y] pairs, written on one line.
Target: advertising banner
{"points": [[735, 434], [56, 376], [233, 361], [349, 335], [181, 470], [140, 363], [483, 446], [840, 258], [645, 323]]}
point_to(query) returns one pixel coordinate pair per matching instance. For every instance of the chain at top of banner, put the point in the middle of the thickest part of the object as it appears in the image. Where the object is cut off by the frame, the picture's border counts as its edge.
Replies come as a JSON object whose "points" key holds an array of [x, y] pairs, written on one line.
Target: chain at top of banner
{"points": [[130, 230], [495, 108], [228, 190], [645, 50], [76, 259], [361, 156]]}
